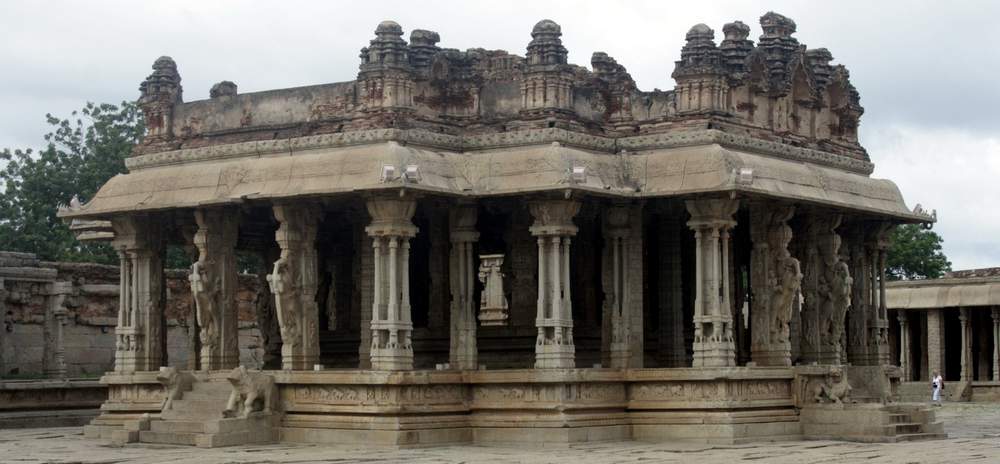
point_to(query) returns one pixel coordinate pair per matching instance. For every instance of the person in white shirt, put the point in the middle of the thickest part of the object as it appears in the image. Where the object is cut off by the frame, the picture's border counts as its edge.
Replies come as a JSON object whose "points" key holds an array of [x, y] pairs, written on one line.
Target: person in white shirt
{"points": [[937, 383]]}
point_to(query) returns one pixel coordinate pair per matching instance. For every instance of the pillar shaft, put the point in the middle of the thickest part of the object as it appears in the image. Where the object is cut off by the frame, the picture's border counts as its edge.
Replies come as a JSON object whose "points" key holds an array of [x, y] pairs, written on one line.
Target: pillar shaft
{"points": [[966, 367], [775, 282], [293, 282], [553, 225], [139, 342], [711, 221], [214, 285], [391, 230], [826, 289], [616, 280], [904, 346], [995, 312], [463, 352]]}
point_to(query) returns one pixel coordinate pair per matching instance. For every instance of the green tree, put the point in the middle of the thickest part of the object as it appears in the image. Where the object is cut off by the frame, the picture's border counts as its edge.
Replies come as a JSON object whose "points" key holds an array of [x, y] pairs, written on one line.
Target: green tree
{"points": [[82, 153], [916, 254]]}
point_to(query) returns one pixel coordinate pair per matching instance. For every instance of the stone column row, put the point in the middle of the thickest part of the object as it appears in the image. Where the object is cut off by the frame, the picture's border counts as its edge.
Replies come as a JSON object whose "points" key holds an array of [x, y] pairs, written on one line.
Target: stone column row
{"points": [[711, 221]]}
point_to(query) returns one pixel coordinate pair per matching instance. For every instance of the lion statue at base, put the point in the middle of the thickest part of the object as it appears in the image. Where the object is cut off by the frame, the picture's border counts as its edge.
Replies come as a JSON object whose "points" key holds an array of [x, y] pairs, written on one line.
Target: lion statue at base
{"points": [[835, 389], [252, 392], [175, 383]]}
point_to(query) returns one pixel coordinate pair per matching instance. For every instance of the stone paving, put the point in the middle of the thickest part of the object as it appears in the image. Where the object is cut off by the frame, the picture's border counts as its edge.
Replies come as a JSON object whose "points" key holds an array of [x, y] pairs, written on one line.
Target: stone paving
{"points": [[974, 431]]}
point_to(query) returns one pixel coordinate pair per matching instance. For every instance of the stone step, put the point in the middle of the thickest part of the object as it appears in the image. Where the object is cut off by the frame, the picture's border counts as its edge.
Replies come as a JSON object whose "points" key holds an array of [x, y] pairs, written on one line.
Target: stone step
{"points": [[921, 436], [177, 426], [211, 404], [215, 440], [206, 396], [211, 387], [908, 428], [168, 438], [897, 418], [192, 414]]}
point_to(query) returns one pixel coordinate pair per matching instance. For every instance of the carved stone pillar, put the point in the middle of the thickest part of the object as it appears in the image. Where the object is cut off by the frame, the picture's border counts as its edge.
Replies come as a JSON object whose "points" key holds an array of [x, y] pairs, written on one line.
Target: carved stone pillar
{"points": [[214, 284], [996, 344], [293, 282], [878, 339], [463, 352], [826, 289], [616, 280], [670, 287], [904, 345], [391, 230], [55, 357], [711, 221], [859, 315], [554, 228], [139, 343], [966, 371], [775, 281]]}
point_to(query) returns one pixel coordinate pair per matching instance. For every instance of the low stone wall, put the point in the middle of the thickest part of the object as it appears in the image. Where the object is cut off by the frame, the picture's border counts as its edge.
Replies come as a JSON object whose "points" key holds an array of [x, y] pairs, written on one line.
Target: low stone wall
{"points": [[49, 403], [27, 341]]}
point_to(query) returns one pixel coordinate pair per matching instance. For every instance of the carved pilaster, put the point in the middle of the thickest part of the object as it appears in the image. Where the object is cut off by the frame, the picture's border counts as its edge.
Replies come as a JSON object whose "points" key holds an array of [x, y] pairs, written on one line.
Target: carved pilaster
{"points": [[554, 228], [293, 282], [214, 283], [139, 343], [966, 367], [859, 315], [995, 313], [711, 221], [878, 322], [775, 280], [904, 345], [391, 230], [463, 353], [55, 296], [617, 286]]}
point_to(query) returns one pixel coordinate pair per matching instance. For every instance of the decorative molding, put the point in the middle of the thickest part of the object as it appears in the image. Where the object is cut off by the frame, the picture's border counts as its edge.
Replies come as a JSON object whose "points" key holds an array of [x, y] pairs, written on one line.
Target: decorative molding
{"points": [[428, 139]]}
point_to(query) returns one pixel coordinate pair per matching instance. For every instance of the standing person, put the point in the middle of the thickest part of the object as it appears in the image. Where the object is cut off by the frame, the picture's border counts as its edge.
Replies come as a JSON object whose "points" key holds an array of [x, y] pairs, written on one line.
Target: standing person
{"points": [[937, 383]]}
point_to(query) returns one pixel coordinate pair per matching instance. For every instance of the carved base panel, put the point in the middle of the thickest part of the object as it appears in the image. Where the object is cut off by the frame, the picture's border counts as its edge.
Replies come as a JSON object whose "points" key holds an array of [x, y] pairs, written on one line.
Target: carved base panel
{"points": [[540, 407], [392, 359]]}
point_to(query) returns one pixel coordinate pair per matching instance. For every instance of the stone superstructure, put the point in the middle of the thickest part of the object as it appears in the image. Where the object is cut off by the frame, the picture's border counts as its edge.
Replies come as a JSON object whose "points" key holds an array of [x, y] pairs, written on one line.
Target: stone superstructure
{"points": [[634, 225]]}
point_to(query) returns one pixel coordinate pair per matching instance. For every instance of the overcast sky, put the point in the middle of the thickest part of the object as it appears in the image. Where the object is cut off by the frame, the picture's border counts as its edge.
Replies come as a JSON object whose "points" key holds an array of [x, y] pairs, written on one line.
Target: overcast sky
{"points": [[927, 71]]}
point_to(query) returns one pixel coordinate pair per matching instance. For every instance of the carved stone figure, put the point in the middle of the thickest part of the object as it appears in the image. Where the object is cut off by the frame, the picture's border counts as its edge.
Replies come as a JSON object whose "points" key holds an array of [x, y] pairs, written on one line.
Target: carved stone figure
{"points": [[834, 390], [252, 392], [493, 303], [205, 291], [175, 383], [282, 282]]}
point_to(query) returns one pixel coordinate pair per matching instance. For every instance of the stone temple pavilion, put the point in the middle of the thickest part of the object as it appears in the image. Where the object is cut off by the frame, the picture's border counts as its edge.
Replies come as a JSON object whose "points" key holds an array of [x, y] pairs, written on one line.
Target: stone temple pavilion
{"points": [[477, 246]]}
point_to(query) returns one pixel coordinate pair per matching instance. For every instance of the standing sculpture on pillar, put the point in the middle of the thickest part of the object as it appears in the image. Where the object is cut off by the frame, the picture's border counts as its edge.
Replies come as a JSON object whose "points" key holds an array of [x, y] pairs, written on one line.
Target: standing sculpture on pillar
{"points": [[711, 221], [776, 278], [826, 289], [293, 282], [554, 347], [214, 284]]}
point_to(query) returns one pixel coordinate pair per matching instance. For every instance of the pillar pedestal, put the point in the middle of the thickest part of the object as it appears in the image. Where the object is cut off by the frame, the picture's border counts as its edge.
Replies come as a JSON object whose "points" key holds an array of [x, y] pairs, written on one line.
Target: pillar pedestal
{"points": [[711, 221], [553, 227], [391, 326]]}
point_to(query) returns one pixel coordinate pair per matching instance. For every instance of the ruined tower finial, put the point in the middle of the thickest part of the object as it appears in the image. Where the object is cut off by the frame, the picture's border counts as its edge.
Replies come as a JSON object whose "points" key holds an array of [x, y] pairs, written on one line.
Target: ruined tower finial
{"points": [[423, 46], [546, 47], [223, 89], [735, 48], [385, 80], [158, 94]]}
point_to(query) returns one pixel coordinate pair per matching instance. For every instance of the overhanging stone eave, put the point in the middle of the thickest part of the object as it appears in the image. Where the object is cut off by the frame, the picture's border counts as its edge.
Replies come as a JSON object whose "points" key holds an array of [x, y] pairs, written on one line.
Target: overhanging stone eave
{"points": [[893, 215]]}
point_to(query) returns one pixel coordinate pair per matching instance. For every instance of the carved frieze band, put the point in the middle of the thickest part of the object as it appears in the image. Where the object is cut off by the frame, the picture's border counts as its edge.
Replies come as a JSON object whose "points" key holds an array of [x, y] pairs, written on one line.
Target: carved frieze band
{"points": [[429, 139], [736, 390]]}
